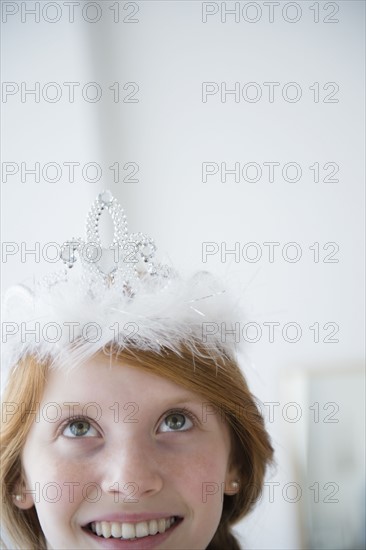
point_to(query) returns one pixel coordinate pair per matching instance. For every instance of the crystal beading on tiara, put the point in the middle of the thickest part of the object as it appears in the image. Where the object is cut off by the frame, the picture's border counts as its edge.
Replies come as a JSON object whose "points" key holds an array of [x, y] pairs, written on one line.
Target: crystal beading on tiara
{"points": [[125, 263]]}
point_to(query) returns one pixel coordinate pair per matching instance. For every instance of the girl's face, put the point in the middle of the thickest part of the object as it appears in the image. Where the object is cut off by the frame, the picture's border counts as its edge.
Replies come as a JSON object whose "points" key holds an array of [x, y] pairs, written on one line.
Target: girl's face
{"points": [[124, 459]]}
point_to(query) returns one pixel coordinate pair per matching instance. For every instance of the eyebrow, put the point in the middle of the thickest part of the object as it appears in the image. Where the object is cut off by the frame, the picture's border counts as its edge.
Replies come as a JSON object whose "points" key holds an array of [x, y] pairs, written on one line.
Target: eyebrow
{"points": [[72, 406], [184, 398], [68, 406], [69, 409]]}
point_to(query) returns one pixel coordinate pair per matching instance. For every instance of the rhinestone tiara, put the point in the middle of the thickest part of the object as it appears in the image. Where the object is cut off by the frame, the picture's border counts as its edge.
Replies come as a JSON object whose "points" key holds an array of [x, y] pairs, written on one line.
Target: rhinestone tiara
{"points": [[117, 294], [128, 259]]}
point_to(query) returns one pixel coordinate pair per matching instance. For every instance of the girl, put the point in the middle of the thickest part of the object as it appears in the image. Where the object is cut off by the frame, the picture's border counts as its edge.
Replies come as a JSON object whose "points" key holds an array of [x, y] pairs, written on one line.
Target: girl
{"points": [[127, 423]]}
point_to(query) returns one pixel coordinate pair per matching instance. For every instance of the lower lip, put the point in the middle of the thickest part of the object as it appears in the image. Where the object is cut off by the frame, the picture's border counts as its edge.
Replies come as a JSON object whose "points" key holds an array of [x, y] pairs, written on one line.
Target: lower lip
{"points": [[143, 543]]}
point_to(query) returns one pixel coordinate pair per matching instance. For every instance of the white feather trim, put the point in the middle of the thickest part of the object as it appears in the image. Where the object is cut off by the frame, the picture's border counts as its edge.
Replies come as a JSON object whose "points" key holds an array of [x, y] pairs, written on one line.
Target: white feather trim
{"points": [[67, 325]]}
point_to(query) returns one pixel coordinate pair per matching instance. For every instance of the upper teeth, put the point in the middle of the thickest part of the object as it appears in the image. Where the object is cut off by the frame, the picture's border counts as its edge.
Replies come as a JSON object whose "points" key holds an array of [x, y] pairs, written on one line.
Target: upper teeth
{"points": [[118, 530]]}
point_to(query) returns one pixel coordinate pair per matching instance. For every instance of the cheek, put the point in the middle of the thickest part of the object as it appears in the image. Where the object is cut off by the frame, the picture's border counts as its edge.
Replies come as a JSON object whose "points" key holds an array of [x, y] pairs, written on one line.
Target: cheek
{"points": [[201, 487], [196, 472], [55, 480]]}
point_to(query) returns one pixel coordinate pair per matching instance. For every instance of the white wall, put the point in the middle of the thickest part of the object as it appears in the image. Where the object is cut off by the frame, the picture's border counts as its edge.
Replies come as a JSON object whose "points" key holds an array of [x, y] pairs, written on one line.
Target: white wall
{"points": [[169, 52]]}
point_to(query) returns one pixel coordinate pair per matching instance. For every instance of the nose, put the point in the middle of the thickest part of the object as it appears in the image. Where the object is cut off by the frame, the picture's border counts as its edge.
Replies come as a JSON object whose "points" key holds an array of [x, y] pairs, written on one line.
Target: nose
{"points": [[132, 472]]}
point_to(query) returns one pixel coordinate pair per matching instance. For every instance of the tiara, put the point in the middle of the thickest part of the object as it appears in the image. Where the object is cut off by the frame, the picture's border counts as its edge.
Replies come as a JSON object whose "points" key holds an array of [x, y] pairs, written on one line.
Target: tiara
{"points": [[128, 259], [117, 294]]}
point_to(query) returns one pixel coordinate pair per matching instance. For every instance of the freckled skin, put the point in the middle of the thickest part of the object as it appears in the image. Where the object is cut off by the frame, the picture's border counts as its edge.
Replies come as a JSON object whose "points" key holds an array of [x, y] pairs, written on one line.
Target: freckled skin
{"points": [[126, 458]]}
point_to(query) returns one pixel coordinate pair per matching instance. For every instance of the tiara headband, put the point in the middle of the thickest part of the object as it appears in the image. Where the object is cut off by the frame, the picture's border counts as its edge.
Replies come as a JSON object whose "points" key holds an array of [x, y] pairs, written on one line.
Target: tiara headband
{"points": [[125, 264], [114, 295]]}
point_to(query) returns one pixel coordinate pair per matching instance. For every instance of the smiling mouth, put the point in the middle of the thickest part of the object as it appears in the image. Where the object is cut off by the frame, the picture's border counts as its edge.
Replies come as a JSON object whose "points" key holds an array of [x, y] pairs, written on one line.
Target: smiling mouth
{"points": [[132, 531]]}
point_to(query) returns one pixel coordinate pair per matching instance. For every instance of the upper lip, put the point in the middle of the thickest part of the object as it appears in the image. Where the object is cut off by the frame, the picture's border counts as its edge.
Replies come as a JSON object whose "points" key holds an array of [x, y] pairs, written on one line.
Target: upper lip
{"points": [[132, 518]]}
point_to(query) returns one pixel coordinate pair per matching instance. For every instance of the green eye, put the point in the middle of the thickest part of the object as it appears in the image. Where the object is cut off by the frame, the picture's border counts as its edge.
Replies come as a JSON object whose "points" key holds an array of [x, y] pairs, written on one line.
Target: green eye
{"points": [[175, 422], [79, 428]]}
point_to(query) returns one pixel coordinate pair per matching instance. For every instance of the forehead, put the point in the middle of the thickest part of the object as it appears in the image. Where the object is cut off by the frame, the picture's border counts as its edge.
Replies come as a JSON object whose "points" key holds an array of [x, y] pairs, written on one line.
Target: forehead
{"points": [[104, 377]]}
